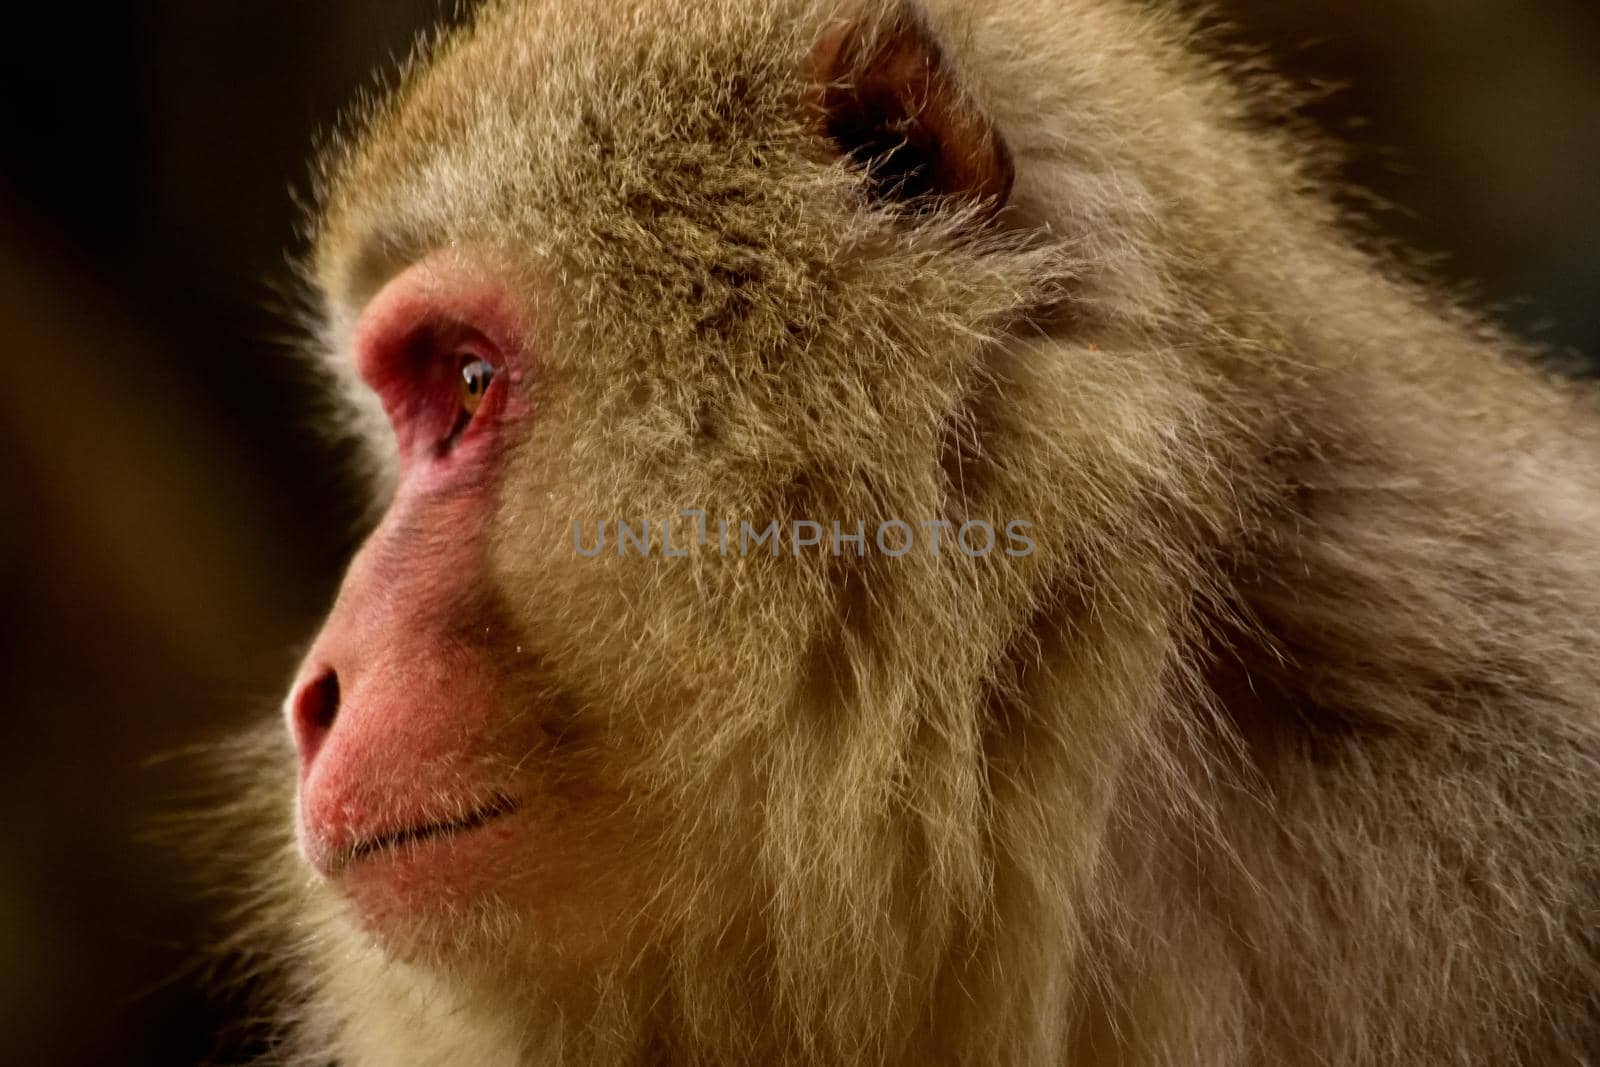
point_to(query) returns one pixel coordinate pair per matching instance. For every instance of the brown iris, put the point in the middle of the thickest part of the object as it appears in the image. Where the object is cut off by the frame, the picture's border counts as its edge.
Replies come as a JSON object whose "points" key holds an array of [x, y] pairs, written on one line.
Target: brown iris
{"points": [[472, 382]]}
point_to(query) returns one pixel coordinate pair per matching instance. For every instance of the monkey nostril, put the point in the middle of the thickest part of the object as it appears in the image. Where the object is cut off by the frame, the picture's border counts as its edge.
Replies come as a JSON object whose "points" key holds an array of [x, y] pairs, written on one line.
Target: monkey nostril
{"points": [[315, 708]]}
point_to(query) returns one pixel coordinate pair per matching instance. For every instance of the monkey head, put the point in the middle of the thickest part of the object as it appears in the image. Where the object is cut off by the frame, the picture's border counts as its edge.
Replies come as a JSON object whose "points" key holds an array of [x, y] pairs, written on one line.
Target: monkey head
{"points": [[750, 267]]}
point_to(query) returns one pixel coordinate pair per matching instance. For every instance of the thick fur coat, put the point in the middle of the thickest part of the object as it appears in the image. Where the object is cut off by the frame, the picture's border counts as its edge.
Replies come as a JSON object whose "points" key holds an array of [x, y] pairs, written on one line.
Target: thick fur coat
{"points": [[1281, 748]]}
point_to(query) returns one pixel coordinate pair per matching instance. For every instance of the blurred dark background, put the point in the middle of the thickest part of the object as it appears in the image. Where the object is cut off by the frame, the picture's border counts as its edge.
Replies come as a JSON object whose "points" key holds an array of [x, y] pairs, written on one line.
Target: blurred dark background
{"points": [[172, 528]]}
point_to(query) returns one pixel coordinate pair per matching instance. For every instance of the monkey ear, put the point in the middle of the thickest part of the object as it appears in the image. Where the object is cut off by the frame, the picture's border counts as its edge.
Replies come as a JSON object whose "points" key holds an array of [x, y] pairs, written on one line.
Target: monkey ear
{"points": [[891, 103]]}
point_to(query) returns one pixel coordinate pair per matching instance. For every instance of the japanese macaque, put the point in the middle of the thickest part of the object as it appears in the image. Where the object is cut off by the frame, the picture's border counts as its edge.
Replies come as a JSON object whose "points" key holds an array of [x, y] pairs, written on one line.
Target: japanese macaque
{"points": [[913, 535]]}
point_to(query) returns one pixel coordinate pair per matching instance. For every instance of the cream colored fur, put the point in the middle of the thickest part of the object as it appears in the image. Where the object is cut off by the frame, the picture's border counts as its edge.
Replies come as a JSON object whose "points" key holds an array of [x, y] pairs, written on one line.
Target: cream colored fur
{"points": [[1282, 747]]}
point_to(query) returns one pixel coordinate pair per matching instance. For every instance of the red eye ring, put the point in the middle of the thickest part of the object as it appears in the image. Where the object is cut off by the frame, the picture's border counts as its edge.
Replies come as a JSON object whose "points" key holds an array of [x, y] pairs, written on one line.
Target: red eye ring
{"points": [[434, 344]]}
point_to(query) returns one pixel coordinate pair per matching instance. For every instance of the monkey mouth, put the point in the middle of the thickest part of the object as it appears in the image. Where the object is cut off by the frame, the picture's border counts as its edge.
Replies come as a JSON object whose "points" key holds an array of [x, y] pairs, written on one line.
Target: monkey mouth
{"points": [[412, 836]]}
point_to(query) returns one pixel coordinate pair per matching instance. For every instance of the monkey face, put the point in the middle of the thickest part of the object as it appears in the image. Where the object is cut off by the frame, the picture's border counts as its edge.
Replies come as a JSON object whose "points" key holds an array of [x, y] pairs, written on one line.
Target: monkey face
{"points": [[600, 283], [422, 741]]}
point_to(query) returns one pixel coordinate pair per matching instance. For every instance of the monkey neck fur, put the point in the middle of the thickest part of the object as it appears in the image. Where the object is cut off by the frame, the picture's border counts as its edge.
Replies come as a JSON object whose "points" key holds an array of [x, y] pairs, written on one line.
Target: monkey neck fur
{"points": [[1315, 589]]}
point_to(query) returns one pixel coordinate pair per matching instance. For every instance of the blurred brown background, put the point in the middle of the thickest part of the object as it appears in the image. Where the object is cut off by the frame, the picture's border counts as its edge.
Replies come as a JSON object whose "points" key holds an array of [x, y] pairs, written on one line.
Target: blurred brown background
{"points": [[171, 528]]}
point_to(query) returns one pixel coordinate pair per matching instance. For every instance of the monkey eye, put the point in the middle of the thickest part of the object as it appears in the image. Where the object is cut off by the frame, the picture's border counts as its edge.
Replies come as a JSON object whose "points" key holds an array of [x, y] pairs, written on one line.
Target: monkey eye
{"points": [[474, 375], [473, 379]]}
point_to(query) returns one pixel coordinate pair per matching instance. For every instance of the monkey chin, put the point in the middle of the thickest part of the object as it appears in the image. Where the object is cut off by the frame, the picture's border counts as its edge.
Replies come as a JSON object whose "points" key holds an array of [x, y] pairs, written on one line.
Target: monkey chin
{"points": [[425, 887], [513, 879]]}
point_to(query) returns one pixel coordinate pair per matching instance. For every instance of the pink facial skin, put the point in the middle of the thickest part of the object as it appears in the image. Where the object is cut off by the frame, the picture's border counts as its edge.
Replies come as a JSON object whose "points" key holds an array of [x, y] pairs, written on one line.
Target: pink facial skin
{"points": [[406, 787]]}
